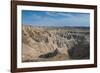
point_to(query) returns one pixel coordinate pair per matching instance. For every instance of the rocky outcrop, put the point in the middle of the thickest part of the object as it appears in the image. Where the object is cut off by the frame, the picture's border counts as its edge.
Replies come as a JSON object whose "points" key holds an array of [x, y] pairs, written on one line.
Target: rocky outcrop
{"points": [[49, 54], [43, 43]]}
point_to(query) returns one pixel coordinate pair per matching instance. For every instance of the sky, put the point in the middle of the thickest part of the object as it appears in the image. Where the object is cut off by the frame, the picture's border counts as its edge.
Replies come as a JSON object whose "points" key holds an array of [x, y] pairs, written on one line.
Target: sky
{"points": [[52, 18]]}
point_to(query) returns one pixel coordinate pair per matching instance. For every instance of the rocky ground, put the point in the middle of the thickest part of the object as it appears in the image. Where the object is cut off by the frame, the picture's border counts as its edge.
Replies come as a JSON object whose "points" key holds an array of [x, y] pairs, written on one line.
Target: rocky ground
{"points": [[54, 44]]}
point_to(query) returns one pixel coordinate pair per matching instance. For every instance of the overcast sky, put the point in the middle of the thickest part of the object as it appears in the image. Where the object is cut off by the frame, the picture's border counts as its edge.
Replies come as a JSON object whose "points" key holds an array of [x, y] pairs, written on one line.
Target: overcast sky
{"points": [[50, 18]]}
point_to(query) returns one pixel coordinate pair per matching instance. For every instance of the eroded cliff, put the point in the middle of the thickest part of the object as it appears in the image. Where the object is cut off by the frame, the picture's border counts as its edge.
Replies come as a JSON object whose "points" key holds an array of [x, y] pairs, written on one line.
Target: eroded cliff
{"points": [[50, 44]]}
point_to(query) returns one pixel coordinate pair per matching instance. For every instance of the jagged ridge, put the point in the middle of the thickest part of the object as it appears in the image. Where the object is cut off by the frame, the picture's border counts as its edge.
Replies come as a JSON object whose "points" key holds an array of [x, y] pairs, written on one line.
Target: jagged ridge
{"points": [[39, 42]]}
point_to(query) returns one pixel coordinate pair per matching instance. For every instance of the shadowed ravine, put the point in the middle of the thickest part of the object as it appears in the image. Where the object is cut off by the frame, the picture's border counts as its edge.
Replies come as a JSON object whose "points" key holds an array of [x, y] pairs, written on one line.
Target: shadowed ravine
{"points": [[54, 43]]}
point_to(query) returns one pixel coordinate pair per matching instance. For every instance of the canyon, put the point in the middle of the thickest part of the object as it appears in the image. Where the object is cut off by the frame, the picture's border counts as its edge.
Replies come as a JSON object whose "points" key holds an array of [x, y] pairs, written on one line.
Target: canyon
{"points": [[54, 43]]}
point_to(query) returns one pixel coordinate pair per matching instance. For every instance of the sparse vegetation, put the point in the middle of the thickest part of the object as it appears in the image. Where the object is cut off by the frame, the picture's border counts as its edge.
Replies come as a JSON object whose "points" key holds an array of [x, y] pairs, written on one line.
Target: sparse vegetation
{"points": [[54, 43]]}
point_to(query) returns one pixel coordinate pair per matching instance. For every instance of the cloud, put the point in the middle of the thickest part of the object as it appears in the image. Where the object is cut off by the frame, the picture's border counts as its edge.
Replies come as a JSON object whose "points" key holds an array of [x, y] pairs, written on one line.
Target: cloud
{"points": [[56, 14], [48, 18]]}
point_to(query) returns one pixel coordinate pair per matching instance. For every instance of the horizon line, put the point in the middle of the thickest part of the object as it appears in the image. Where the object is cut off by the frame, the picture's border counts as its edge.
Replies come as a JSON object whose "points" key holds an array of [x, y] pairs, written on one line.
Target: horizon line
{"points": [[51, 26]]}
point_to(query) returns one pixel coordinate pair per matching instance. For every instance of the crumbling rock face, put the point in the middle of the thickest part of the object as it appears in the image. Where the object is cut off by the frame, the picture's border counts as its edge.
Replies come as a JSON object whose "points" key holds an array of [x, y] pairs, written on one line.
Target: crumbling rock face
{"points": [[50, 44]]}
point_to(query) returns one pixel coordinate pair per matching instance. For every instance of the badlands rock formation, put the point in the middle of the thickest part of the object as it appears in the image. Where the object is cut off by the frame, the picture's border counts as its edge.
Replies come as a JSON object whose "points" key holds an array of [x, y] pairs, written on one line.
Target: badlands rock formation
{"points": [[52, 43]]}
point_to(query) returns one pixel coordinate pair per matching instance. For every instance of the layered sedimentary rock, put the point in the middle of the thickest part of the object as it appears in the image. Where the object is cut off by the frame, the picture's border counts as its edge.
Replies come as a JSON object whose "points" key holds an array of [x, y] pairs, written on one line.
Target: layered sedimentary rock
{"points": [[51, 43]]}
